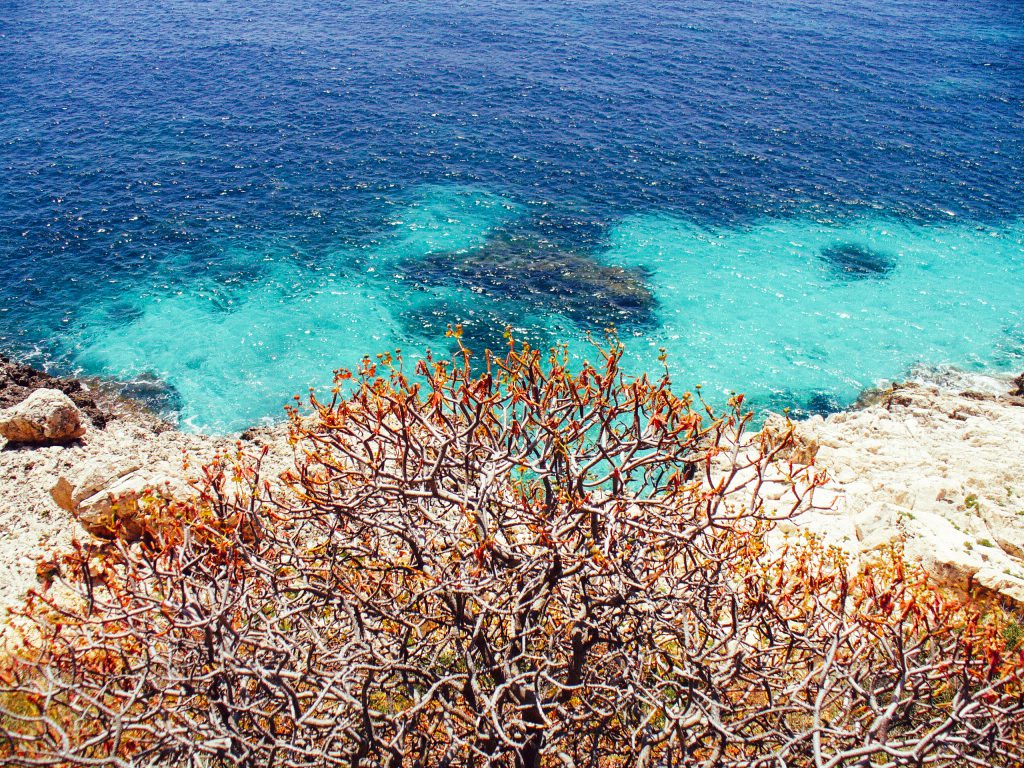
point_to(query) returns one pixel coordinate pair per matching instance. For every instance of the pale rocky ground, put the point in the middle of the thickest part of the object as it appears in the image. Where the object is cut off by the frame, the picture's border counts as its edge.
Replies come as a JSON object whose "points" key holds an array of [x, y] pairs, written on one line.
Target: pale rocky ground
{"points": [[940, 463], [135, 448]]}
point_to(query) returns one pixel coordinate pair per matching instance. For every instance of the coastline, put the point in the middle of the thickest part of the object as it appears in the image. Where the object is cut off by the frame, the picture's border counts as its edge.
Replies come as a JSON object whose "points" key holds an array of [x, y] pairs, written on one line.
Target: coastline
{"points": [[125, 446], [934, 462]]}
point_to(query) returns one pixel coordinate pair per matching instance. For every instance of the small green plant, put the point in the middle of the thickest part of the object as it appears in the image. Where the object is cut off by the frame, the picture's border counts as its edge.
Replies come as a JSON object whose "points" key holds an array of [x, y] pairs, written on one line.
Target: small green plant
{"points": [[985, 543], [1013, 634]]}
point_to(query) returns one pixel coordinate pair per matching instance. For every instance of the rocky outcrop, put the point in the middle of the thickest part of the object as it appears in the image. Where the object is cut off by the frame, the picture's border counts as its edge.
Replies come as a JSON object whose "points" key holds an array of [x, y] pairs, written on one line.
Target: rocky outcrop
{"points": [[17, 382], [98, 478], [101, 484], [798, 448], [45, 416], [108, 497], [942, 470]]}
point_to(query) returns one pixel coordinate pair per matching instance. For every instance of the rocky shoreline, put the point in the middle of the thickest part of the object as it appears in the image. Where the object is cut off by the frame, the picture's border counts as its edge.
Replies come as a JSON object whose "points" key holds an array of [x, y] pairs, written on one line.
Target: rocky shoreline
{"points": [[55, 490], [936, 463]]}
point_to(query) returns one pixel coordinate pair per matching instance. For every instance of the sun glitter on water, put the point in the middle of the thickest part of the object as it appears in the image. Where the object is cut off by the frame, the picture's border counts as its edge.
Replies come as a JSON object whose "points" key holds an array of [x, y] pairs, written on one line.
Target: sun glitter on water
{"points": [[793, 312]]}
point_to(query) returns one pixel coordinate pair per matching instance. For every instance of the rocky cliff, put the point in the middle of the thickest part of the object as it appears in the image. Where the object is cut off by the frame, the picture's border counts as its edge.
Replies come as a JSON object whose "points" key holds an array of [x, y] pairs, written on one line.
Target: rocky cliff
{"points": [[939, 464]]}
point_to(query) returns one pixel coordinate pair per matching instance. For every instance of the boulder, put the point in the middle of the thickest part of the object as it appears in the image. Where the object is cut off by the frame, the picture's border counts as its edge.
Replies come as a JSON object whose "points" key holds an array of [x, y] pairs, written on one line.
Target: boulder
{"points": [[109, 498], [89, 478], [45, 416], [119, 510], [17, 381]]}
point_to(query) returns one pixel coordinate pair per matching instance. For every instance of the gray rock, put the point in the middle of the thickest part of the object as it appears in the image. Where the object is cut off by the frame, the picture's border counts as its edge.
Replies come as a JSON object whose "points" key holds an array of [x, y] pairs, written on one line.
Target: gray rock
{"points": [[45, 416]]}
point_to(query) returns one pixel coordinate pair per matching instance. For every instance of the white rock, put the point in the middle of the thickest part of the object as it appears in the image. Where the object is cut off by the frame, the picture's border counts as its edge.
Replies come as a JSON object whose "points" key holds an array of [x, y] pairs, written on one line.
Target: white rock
{"points": [[47, 415], [1010, 539], [89, 478], [949, 484], [1003, 584], [105, 494], [877, 526]]}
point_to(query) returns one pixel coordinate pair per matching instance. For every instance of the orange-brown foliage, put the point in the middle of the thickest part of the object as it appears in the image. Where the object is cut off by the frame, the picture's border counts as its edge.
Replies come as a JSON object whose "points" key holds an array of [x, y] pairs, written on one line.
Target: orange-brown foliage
{"points": [[520, 566]]}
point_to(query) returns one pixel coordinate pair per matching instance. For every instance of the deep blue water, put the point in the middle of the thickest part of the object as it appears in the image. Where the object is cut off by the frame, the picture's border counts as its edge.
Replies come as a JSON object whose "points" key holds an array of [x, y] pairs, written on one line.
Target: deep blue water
{"points": [[227, 200]]}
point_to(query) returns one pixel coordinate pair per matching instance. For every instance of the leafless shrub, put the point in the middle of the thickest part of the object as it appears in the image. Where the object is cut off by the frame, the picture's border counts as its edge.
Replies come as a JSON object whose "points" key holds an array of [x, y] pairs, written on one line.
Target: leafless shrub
{"points": [[518, 567]]}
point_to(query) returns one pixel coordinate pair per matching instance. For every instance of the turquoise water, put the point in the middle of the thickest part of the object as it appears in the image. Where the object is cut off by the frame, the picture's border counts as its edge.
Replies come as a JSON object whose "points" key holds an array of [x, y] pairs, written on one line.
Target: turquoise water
{"points": [[221, 203], [767, 298], [727, 302]]}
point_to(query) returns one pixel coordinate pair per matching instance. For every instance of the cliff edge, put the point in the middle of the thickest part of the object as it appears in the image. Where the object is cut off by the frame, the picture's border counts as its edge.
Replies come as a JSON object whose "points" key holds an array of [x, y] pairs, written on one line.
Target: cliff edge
{"points": [[938, 465]]}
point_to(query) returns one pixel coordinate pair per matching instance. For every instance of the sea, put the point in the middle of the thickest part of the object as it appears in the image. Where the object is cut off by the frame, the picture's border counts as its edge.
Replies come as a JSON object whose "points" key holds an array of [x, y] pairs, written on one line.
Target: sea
{"points": [[217, 203]]}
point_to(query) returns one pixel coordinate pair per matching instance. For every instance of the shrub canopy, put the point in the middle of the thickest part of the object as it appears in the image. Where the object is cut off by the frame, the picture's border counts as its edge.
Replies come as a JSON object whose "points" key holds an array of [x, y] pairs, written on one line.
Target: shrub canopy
{"points": [[517, 566]]}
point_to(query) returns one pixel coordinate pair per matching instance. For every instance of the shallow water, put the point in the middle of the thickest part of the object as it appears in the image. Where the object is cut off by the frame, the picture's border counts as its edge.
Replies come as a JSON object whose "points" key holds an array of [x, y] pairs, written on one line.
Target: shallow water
{"points": [[226, 202]]}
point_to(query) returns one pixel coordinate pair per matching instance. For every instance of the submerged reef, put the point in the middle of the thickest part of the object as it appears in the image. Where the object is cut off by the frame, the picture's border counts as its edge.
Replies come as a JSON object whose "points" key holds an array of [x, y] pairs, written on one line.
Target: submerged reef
{"points": [[543, 277], [849, 261], [483, 328], [154, 393]]}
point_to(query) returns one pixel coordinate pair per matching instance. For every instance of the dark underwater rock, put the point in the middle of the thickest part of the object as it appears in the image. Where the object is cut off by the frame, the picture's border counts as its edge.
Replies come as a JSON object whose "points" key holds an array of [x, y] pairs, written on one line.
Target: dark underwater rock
{"points": [[849, 261], [821, 404], [18, 381], [154, 393], [544, 277], [802, 405], [482, 328]]}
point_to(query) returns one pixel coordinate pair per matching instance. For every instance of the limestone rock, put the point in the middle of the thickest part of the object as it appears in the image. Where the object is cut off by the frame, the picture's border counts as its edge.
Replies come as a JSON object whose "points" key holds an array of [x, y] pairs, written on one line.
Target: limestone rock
{"points": [[108, 496], [1010, 540], [951, 486], [91, 477], [801, 446], [119, 509], [1006, 586], [62, 494], [46, 415], [877, 526]]}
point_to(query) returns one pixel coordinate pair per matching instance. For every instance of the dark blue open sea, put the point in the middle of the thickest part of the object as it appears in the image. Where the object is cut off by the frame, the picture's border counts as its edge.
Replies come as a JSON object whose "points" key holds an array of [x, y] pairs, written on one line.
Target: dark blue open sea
{"points": [[223, 201]]}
